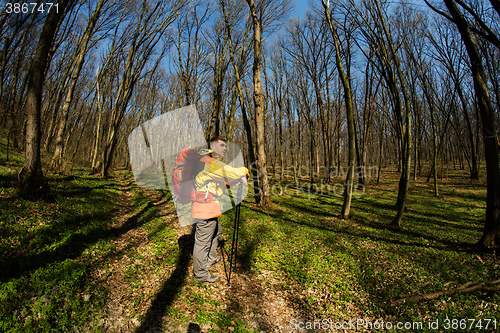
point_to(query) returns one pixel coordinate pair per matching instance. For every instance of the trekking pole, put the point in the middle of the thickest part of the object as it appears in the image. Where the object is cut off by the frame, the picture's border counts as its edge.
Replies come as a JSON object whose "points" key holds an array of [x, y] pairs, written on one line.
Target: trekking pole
{"points": [[234, 243]]}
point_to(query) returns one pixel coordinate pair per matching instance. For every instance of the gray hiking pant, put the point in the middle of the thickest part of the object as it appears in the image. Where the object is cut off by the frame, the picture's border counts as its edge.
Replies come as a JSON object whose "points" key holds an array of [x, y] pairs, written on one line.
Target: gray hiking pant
{"points": [[206, 239]]}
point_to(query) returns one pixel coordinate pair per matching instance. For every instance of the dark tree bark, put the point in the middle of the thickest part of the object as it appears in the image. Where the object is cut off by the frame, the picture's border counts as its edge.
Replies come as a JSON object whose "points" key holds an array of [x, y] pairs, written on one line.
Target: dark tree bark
{"points": [[491, 231], [32, 184]]}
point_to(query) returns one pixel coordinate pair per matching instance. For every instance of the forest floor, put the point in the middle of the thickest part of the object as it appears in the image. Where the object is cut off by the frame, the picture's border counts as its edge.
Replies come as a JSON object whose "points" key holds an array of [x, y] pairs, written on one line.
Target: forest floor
{"points": [[108, 256]]}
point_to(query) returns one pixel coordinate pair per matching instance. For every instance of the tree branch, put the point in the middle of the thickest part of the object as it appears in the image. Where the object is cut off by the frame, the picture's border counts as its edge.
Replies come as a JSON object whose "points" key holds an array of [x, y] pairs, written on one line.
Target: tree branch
{"points": [[496, 5], [440, 12], [463, 289], [489, 35]]}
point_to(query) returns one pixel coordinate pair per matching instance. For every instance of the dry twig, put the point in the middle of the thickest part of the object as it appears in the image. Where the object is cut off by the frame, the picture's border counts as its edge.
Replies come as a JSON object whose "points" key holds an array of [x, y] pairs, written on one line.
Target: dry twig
{"points": [[465, 288]]}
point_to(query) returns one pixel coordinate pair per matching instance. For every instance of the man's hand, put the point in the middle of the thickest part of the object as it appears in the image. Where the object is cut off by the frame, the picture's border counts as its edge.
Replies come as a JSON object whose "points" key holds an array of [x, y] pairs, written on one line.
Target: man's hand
{"points": [[244, 179]]}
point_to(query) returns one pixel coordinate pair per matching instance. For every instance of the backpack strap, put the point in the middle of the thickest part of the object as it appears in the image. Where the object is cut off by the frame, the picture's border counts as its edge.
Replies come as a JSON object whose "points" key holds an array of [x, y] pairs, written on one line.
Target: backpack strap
{"points": [[208, 190], [179, 166], [206, 158]]}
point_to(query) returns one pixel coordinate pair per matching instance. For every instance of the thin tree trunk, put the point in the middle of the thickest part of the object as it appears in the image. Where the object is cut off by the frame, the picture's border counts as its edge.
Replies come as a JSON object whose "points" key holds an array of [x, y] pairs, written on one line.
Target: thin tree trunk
{"points": [[241, 97], [98, 127], [143, 42], [232, 113], [84, 125], [404, 121], [79, 60], [346, 206]]}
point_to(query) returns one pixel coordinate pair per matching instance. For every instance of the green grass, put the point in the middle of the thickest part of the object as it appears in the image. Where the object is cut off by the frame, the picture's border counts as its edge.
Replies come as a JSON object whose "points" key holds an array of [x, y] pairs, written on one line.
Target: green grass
{"points": [[51, 253], [367, 265], [105, 244]]}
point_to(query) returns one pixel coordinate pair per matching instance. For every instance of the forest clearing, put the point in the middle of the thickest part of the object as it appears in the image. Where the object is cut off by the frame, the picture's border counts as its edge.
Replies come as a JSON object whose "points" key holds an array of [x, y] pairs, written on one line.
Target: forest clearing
{"points": [[107, 256], [362, 136]]}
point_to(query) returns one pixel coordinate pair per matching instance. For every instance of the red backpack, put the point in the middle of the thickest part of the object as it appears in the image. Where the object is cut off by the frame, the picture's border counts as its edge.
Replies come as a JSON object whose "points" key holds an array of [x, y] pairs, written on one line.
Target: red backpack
{"points": [[184, 173]]}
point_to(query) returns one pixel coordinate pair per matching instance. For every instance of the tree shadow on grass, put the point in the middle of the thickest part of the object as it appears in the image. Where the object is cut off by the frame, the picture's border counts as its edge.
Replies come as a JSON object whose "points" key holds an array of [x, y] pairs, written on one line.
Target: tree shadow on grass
{"points": [[370, 266], [246, 244], [385, 282], [71, 247], [194, 328], [319, 225], [325, 224], [446, 244], [82, 190], [8, 180], [165, 297], [431, 216]]}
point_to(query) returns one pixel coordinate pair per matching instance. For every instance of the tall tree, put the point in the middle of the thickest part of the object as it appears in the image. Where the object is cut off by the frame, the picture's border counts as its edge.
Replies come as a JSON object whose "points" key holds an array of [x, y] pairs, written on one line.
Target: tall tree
{"points": [[380, 38], [263, 197], [404, 118], [238, 68], [450, 52], [31, 180], [491, 231], [308, 48], [190, 53], [150, 25], [82, 49], [348, 99], [218, 47]]}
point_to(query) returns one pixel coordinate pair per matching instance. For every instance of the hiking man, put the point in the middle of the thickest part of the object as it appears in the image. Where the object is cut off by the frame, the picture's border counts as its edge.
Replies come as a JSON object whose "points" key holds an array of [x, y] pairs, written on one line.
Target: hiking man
{"points": [[209, 183]]}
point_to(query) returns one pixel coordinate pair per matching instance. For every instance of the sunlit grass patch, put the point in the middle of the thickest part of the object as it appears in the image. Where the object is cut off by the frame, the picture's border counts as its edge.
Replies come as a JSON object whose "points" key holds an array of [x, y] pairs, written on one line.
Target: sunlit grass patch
{"points": [[105, 245], [361, 266], [52, 253], [44, 280]]}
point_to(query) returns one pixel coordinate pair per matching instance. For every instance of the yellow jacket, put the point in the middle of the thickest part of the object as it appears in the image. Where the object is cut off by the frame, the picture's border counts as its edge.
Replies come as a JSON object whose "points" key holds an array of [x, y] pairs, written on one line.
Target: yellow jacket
{"points": [[214, 176], [211, 180]]}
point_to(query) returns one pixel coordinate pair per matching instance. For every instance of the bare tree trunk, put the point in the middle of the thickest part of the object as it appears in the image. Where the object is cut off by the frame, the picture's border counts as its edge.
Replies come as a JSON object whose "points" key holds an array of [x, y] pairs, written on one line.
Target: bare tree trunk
{"points": [[291, 135], [84, 125], [220, 67], [98, 127], [280, 131], [246, 122], [474, 172], [232, 113], [123, 96], [97, 164], [393, 76], [405, 126], [454, 70], [346, 206], [381, 148], [149, 30], [263, 198], [32, 184], [308, 116], [79, 60], [491, 231], [435, 146], [189, 29]]}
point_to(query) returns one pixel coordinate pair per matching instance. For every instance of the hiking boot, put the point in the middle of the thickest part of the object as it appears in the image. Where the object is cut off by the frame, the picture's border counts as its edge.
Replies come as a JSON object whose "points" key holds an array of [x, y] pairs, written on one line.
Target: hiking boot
{"points": [[210, 264], [210, 279]]}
